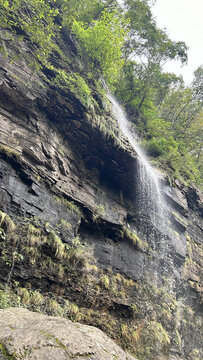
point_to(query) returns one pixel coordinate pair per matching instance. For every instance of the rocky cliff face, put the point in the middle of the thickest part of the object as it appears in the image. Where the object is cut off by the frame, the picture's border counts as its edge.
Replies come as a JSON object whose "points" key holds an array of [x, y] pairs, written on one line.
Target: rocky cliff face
{"points": [[70, 241]]}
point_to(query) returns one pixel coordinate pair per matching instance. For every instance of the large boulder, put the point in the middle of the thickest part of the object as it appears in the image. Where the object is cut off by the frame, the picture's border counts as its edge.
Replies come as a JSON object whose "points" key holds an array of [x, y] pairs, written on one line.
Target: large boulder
{"points": [[28, 335]]}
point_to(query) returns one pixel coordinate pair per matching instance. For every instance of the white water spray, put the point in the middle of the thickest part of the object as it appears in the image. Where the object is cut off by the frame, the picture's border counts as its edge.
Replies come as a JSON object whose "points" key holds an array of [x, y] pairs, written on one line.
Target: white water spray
{"points": [[150, 205]]}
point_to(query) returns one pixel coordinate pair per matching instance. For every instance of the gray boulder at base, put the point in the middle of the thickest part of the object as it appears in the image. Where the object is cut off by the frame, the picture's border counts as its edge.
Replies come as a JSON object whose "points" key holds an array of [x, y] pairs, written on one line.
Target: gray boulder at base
{"points": [[27, 335]]}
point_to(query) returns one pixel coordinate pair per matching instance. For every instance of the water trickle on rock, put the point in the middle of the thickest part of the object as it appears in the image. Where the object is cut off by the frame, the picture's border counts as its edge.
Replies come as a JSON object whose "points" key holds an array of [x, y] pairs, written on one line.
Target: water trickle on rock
{"points": [[150, 206]]}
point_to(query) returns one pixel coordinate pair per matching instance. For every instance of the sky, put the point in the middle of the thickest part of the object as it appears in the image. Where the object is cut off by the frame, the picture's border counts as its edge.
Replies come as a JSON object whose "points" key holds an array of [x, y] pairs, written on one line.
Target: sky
{"points": [[183, 21]]}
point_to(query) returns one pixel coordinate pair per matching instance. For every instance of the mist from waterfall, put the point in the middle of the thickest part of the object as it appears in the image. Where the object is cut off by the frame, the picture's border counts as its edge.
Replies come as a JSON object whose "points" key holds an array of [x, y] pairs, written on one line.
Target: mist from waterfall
{"points": [[150, 206]]}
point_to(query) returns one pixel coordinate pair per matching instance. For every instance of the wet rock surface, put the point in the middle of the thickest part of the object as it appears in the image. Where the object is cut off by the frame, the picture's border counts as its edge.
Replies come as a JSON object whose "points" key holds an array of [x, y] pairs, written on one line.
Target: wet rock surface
{"points": [[63, 178]]}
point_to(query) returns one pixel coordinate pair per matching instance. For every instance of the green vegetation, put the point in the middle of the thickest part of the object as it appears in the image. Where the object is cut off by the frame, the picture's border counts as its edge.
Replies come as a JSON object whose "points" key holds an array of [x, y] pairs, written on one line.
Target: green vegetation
{"points": [[156, 339], [134, 239], [80, 10], [5, 353], [74, 83], [8, 152], [9, 298], [174, 135], [26, 242], [167, 114], [112, 302], [146, 336], [33, 18], [69, 204], [105, 281], [24, 295], [98, 212], [6, 223], [102, 43], [4, 299], [66, 224], [196, 354], [168, 117]]}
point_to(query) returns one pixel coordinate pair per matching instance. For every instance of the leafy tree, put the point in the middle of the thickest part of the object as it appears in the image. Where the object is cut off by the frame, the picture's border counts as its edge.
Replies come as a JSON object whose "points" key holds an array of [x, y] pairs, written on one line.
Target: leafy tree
{"points": [[142, 87], [102, 43], [80, 10], [197, 83], [147, 40], [142, 83], [175, 134], [180, 108]]}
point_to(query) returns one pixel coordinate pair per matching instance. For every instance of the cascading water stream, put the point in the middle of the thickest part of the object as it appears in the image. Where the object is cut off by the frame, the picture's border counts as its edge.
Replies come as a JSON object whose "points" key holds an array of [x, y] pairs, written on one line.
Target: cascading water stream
{"points": [[150, 206]]}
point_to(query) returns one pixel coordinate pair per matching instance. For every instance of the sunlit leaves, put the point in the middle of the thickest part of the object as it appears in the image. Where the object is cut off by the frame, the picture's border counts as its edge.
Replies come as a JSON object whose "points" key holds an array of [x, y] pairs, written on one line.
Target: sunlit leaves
{"points": [[33, 18], [80, 10], [102, 42]]}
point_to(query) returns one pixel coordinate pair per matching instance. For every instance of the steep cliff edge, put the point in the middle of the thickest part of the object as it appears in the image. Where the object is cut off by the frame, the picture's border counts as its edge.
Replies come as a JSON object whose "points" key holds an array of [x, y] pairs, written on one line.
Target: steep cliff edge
{"points": [[70, 241]]}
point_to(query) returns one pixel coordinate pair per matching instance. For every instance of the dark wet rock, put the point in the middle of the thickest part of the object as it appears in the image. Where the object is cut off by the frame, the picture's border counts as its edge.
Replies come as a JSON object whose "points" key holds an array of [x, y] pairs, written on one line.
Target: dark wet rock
{"points": [[61, 172], [177, 199]]}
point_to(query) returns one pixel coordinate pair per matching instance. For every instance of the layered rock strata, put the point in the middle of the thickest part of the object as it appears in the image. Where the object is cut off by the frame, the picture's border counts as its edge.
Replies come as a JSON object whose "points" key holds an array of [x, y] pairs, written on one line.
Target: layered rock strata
{"points": [[69, 231]]}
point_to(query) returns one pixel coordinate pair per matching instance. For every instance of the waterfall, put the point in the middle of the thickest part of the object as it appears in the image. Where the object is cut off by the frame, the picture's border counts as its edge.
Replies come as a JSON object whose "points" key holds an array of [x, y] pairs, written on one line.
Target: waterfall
{"points": [[149, 203]]}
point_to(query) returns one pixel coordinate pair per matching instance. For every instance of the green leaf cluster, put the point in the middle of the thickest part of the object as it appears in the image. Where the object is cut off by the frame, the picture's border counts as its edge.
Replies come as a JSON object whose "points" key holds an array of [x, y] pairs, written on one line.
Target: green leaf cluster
{"points": [[74, 83], [174, 135], [102, 43], [33, 18], [79, 10]]}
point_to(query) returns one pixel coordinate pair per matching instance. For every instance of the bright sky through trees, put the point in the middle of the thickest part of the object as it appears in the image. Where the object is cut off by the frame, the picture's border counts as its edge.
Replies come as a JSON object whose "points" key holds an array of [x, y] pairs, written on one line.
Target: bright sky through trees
{"points": [[183, 20]]}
